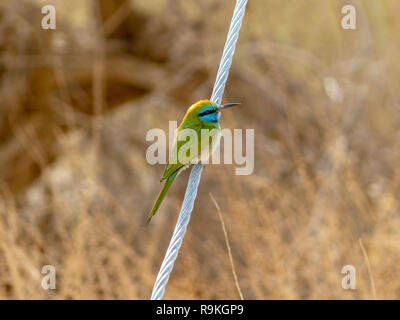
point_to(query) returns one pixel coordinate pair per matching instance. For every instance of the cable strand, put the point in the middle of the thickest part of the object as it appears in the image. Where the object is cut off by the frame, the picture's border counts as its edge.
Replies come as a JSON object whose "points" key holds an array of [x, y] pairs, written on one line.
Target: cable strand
{"points": [[194, 179]]}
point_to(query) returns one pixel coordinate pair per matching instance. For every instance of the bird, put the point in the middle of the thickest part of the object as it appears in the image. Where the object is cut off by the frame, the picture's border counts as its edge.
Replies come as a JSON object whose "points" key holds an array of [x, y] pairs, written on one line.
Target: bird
{"points": [[203, 114]]}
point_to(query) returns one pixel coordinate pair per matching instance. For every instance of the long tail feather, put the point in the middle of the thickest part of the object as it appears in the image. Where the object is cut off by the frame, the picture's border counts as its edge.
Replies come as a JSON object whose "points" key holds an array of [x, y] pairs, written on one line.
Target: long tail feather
{"points": [[161, 196]]}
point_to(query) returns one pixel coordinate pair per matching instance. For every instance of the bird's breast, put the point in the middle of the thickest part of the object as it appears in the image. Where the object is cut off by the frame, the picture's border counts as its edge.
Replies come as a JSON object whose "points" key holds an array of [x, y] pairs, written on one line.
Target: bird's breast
{"points": [[206, 149]]}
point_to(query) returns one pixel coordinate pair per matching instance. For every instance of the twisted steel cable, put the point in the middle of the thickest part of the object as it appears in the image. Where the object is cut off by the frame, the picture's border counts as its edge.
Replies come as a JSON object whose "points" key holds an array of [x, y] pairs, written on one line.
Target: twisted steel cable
{"points": [[194, 179]]}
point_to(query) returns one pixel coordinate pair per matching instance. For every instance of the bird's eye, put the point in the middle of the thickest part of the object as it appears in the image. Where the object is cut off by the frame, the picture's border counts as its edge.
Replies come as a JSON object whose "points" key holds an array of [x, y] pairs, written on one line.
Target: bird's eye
{"points": [[206, 112]]}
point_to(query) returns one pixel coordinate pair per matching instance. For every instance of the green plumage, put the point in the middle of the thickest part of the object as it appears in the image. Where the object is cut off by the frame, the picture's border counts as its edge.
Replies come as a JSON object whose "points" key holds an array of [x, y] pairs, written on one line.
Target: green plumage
{"points": [[202, 115]]}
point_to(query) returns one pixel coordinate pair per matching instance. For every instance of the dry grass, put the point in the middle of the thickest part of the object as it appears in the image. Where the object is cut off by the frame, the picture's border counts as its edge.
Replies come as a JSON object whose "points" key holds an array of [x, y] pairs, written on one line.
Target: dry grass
{"points": [[75, 186]]}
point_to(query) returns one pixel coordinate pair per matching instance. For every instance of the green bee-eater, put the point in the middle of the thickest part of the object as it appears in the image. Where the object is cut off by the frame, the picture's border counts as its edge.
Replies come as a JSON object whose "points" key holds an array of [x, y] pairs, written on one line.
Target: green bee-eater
{"points": [[204, 114]]}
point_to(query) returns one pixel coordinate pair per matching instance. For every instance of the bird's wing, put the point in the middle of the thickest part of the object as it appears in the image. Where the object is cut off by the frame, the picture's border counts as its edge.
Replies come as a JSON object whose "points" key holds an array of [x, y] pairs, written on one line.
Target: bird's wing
{"points": [[170, 169], [174, 166]]}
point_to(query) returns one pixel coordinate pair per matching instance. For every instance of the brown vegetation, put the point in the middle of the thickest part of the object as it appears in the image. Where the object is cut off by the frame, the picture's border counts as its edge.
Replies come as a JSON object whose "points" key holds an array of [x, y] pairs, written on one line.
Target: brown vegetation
{"points": [[75, 187]]}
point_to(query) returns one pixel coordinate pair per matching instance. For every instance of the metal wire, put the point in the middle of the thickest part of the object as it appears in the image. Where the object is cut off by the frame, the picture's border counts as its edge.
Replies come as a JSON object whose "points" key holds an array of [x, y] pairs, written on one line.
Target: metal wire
{"points": [[194, 179]]}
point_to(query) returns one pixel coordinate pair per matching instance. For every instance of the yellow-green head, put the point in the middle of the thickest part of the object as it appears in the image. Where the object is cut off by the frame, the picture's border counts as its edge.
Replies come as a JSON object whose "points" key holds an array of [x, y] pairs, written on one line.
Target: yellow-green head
{"points": [[206, 112]]}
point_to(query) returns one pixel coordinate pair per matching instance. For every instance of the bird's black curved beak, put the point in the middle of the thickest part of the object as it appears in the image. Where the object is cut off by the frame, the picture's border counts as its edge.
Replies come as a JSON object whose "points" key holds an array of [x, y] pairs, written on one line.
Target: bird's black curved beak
{"points": [[228, 105]]}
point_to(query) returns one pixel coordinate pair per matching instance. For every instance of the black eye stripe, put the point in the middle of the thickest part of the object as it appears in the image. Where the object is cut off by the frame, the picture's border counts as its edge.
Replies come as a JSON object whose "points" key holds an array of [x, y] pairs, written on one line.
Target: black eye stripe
{"points": [[207, 112]]}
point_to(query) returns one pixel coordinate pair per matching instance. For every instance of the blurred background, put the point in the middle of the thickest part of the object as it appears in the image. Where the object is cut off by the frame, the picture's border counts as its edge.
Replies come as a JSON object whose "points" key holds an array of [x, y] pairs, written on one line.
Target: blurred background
{"points": [[75, 188]]}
